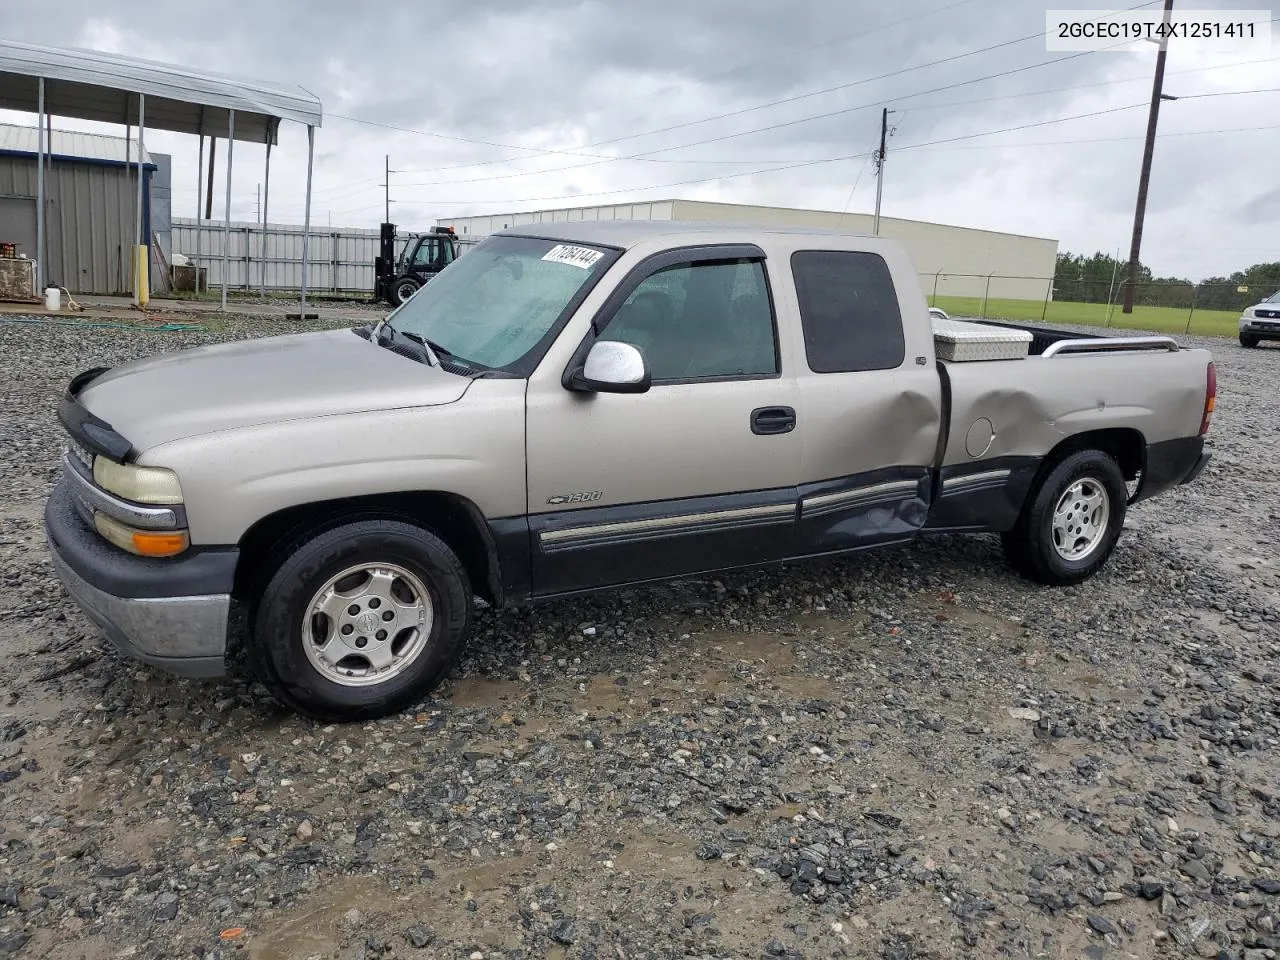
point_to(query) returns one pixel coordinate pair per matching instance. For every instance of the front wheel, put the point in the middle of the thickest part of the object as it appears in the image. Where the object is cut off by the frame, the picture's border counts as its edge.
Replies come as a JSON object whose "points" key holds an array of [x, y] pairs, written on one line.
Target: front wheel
{"points": [[403, 290], [1248, 341], [361, 621], [1071, 523]]}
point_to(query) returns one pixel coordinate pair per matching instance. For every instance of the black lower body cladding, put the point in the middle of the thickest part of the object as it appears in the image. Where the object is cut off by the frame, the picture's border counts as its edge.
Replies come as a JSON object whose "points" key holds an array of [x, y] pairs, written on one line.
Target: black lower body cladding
{"points": [[1171, 463], [983, 497]]}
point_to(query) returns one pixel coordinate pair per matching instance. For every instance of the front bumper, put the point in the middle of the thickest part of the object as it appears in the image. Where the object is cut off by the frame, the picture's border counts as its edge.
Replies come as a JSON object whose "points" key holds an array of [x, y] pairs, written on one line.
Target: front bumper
{"points": [[172, 614], [1264, 328]]}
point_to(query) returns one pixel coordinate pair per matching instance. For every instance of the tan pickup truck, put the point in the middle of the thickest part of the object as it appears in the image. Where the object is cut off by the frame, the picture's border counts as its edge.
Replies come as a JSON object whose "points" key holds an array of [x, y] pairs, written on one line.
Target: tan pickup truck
{"points": [[580, 406]]}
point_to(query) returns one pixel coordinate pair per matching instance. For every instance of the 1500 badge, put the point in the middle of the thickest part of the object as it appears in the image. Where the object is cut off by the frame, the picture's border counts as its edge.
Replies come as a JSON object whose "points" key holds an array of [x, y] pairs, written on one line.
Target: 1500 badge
{"points": [[586, 497]]}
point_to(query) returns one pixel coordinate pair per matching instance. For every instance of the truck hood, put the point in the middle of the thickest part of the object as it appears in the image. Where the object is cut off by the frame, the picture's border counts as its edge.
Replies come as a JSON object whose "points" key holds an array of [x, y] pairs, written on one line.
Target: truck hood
{"points": [[250, 382]]}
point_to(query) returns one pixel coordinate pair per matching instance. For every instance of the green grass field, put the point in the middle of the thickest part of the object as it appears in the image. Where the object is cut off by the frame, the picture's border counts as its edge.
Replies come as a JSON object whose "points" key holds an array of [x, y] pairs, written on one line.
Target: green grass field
{"points": [[1205, 323]]}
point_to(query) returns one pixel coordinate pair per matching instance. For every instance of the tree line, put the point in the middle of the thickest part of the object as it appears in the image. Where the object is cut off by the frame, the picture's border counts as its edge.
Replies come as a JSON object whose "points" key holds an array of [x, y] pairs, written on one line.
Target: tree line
{"points": [[1100, 278]]}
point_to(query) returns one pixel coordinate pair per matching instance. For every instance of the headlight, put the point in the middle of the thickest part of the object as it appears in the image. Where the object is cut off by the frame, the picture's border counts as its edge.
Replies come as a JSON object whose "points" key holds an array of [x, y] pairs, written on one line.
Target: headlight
{"points": [[145, 543], [139, 484], [1248, 314]]}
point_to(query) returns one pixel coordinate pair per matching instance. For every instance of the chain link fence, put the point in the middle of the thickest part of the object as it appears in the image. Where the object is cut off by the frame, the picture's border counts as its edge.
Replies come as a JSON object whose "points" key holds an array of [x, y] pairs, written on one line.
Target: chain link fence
{"points": [[1170, 304]]}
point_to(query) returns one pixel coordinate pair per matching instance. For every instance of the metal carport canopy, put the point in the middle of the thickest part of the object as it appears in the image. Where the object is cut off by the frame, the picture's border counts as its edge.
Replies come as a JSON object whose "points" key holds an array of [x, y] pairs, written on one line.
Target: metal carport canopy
{"points": [[108, 87], [91, 85]]}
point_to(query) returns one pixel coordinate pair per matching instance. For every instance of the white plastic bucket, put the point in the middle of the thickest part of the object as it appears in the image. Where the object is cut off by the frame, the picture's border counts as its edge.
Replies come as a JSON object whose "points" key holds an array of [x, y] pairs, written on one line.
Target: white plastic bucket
{"points": [[52, 298]]}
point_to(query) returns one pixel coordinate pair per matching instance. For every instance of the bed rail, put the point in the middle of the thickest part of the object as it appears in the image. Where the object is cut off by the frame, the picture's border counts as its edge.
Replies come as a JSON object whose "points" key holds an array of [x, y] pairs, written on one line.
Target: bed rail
{"points": [[1109, 345]]}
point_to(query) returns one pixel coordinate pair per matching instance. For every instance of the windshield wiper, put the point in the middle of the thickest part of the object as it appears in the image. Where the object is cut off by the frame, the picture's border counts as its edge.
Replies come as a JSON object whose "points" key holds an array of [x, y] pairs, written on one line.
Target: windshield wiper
{"points": [[431, 352], [438, 352], [431, 346], [423, 352]]}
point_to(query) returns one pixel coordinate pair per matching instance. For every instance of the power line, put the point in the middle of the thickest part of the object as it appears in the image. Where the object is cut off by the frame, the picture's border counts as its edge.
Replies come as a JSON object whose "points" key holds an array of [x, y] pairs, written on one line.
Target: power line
{"points": [[761, 106], [752, 63], [541, 151], [826, 160], [1059, 143], [732, 136], [789, 123], [739, 112], [797, 164], [924, 145], [577, 152], [776, 169]]}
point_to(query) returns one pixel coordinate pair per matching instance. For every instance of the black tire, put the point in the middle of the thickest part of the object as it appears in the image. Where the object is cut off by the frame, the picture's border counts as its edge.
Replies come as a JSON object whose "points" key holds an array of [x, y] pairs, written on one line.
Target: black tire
{"points": [[1248, 341], [1030, 546], [402, 290], [276, 649]]}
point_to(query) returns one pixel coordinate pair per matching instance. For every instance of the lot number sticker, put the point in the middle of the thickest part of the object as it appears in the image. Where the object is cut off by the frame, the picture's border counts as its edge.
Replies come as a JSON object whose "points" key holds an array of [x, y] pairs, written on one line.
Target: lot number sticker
{"points": [[582, 257]]}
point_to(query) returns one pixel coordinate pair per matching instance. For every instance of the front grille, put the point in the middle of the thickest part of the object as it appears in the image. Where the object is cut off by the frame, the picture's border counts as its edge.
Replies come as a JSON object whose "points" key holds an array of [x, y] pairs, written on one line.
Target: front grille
{"points": [[1267, 314], [81, 453]]}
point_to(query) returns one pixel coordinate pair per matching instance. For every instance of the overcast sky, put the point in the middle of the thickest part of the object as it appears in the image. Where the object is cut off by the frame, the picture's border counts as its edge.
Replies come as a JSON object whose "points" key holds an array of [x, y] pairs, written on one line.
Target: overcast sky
{"points": [[574, 82]]}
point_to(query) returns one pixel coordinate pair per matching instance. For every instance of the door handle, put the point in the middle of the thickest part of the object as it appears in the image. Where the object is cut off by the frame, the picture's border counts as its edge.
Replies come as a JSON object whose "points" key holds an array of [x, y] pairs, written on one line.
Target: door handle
{"points": [[772, 420]]}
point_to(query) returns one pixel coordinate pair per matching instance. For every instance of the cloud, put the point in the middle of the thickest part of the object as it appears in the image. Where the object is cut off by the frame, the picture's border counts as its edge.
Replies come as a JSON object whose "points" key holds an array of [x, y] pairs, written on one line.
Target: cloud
{"points": [[589, 78]]}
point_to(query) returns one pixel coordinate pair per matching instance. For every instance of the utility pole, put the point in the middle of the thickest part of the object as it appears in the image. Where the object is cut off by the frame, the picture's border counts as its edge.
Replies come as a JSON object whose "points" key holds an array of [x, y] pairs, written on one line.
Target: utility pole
{"points": [[884, 136], [387, 183], [1157, 94]]}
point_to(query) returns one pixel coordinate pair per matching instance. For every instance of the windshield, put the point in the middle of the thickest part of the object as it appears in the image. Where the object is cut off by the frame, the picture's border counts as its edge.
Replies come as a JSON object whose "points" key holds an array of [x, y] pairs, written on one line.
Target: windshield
{"points": [[494, 306], [1274, 298]]}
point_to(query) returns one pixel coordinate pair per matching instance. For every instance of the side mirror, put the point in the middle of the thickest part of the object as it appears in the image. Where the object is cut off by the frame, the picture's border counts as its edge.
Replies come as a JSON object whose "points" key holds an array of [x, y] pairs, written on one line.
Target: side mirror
{"points": [[612, 367]]}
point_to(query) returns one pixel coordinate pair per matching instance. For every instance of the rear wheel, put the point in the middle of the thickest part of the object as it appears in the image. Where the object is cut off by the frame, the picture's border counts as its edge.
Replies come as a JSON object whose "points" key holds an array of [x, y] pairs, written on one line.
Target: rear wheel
{"points": [[1071, 523], [402, 290], [361, 621], [1248, 341]]}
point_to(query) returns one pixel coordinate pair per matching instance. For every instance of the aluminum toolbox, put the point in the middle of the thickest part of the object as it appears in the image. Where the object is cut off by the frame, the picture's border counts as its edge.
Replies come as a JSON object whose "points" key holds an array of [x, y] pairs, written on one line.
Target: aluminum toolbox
{"points": [[957, 341]]}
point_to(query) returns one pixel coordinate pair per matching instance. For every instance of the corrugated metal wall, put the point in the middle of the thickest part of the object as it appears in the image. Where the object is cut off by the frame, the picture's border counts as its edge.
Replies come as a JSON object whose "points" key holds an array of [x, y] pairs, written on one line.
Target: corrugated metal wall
{"points": [[341, 261], [89, 219]]}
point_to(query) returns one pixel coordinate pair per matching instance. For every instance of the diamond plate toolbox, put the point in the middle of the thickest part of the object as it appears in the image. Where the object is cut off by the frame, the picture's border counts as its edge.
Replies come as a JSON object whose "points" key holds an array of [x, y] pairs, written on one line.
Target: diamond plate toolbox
{"points": [[958, 341]]}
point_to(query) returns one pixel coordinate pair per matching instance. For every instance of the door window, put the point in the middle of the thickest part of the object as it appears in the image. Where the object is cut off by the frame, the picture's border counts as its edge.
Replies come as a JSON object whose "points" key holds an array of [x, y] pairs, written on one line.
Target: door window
{"points": [[426, 254], [701, 320]]}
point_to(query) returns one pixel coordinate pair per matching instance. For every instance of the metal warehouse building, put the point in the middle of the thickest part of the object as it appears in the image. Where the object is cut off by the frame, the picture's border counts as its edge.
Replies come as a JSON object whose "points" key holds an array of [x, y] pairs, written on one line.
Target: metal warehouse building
{"points": [[91, 192], [952, 261]]}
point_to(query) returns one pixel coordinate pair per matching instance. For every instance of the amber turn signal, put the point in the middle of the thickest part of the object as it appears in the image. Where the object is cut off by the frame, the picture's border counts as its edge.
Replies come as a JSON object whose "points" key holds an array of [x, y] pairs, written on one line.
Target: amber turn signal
{"points": [[160, 544], [145, 543]]}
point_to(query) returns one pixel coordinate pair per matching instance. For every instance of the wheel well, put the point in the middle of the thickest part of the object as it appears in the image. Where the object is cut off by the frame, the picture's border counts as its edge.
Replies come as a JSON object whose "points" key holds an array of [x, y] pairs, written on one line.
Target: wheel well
{"points": [[1126, 446], [455, 520]]}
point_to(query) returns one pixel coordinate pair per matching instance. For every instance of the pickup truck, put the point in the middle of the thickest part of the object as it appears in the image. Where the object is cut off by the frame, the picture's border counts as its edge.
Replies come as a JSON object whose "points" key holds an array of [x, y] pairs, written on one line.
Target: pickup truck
{"points": [[579, 406]]}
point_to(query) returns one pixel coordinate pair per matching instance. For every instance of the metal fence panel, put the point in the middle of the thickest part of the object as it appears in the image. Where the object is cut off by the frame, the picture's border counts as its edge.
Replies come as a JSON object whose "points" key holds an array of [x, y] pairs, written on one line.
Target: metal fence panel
{"points": [[341, 261]]}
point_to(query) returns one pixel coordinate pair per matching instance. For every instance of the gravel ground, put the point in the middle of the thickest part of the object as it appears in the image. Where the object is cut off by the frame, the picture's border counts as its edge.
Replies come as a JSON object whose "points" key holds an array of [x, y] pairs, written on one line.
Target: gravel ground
{"points": [[906, 754]]}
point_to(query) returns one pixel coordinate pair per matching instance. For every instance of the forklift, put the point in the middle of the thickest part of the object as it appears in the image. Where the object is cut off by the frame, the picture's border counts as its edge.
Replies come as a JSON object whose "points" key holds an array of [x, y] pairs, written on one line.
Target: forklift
{"points": [[396, 279]]}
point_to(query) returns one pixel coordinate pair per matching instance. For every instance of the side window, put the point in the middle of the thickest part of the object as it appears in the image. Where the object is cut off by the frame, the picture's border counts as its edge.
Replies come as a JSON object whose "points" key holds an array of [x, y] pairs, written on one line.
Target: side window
{"points": [[849, 311], [701, 319], [425, 255]]}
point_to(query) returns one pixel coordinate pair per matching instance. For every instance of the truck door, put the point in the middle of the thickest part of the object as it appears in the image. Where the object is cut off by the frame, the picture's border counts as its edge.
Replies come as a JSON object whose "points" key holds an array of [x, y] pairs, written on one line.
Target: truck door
{"points": [[699, 473], [870, 399], [423, 261]]}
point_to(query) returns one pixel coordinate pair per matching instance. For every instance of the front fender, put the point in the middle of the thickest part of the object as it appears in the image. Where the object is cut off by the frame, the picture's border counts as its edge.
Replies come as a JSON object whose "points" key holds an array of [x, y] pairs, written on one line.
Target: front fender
{"points": [[473, 448]]}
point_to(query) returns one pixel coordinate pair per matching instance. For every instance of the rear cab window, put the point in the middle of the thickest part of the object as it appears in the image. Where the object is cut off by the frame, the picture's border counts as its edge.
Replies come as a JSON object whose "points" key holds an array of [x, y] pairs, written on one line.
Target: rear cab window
{"points": [[848, 311]]}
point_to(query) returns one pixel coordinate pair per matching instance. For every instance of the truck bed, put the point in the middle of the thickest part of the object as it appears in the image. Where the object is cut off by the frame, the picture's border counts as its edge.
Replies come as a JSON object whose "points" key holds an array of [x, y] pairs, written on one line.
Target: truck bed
{"points": [[1043, 337]]}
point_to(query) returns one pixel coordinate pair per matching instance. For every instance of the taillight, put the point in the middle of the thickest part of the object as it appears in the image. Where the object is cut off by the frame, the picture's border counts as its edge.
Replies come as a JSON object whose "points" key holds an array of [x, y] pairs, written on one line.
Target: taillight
{"points": [[1210, 396]]}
